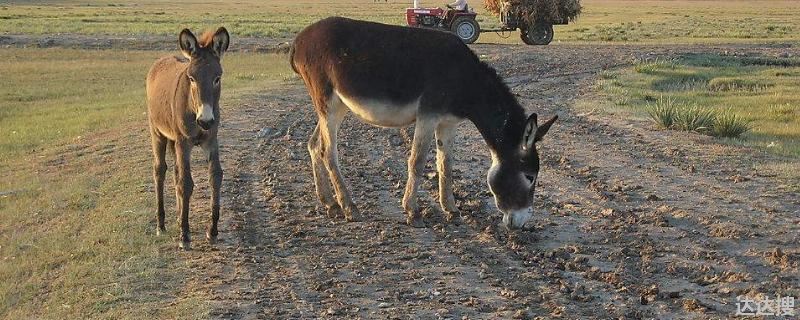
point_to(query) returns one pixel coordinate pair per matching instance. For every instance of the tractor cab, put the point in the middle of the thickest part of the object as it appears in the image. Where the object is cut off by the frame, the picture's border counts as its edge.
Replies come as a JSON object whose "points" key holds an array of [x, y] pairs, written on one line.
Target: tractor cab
{"points": [[461, 23], [425, 17]]}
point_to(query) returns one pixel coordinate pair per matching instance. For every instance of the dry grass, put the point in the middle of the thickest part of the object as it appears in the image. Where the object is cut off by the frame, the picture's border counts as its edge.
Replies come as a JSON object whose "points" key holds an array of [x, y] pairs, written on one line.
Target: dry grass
{"points": [[537, 10], [76, 200]]}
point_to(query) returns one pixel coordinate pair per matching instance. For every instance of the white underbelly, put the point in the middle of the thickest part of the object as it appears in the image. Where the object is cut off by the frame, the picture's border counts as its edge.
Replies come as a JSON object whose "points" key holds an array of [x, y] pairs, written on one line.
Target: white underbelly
{"points": [[381, 113]]}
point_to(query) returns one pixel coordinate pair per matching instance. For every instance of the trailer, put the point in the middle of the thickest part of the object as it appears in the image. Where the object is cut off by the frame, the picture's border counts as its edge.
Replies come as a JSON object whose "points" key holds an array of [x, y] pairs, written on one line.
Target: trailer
{"points": [[463, 23]]}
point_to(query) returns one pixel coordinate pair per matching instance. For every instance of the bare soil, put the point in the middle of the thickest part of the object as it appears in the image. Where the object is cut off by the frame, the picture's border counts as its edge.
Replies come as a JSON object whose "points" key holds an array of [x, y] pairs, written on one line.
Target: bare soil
{"points": [[630, 222]]}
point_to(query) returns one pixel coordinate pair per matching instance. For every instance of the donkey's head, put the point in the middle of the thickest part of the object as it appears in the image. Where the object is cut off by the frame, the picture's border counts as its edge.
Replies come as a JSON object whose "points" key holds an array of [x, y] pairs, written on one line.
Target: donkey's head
{"points": [[512, 177], [205, 72]]}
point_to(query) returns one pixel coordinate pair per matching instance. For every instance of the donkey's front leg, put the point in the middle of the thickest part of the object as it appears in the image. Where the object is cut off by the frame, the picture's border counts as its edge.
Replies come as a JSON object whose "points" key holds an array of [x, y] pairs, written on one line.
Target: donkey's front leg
{"points": [[215, 176], [159, 144], [445, 132], [423, 133], [183, 188]]}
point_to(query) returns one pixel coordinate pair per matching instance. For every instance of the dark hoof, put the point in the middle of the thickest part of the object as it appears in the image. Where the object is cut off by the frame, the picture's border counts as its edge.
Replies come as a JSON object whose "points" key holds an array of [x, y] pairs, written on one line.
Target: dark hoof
{"points": [[185, 245], [212, 238], [451, 216], [160, 231], [335, 212], [186, 242], [415, 221], [353, 215]]}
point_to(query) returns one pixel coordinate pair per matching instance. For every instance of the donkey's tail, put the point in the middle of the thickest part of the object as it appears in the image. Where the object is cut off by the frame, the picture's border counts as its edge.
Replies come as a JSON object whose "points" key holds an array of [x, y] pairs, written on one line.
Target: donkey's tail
{"points": [[291, 59]]}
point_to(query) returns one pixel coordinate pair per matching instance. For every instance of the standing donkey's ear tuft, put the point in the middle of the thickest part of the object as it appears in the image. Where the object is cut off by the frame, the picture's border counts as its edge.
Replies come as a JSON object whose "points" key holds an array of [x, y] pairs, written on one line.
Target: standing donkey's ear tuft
{"points": [[221, 41], [529, 135], [187, 43], [541, 131]]}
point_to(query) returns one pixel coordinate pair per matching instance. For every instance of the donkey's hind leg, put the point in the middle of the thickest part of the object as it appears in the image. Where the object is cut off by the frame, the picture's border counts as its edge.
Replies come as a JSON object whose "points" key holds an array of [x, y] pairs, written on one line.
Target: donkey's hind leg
{"points": [[322, 181], [423, 132], [329, 123], [159, 144]]}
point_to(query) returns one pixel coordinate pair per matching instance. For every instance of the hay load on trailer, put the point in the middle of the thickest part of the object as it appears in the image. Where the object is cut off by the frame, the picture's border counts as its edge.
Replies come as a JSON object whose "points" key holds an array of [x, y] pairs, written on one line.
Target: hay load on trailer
{"points": [[534, 18]]}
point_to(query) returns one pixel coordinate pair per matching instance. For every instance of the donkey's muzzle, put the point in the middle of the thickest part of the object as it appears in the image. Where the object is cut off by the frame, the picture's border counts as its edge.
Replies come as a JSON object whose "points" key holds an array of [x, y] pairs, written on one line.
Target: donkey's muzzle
{"points": [[205, 124]]}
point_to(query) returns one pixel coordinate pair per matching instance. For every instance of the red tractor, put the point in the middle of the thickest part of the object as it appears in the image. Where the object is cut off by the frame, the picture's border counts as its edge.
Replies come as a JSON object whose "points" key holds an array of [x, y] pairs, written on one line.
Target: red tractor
{"points": [[464, 25], [461, 23]]}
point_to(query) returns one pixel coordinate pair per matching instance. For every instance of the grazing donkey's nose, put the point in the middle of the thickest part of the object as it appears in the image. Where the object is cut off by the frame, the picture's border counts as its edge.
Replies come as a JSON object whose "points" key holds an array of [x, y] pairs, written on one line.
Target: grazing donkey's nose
{"points": [[205, 124]]}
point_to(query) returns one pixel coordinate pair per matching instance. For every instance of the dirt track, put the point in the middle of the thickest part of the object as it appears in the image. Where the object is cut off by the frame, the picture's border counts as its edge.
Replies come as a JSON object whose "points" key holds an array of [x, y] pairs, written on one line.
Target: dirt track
{"points": [[630, 222]]}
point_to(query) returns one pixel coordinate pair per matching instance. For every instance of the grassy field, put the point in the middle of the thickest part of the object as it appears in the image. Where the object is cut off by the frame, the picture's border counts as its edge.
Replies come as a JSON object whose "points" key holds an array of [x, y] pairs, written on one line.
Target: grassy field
{"points": [[77, 235], [615, 21], [76, 238], [763, 91], [683, 21]]}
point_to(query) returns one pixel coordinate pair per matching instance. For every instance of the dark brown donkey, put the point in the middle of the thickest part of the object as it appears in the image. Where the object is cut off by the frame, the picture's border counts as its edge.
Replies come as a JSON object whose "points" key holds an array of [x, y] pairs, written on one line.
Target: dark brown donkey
{"points": [[183, 109], [393, 76]]}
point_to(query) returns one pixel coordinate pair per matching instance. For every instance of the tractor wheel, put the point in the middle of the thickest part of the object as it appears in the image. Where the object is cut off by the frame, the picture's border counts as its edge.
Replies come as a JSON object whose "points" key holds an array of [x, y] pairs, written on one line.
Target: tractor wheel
{"points": [[537, 34], [466, 29]]}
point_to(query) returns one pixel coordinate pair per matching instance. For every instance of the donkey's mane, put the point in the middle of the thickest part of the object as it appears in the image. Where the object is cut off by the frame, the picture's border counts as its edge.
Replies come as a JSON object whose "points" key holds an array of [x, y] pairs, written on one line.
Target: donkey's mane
{"points": [[503, 92], [206, 38]]}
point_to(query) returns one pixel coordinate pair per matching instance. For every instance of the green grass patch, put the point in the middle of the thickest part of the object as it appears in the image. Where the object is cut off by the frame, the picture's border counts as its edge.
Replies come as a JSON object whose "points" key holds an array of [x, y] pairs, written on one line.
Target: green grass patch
{"points": [[729, 125], [681, 82], [683, 21], [666, 113], [737, 84], [76, 199], [651, 67], [615, 21], [754, 98], [694, 119]]}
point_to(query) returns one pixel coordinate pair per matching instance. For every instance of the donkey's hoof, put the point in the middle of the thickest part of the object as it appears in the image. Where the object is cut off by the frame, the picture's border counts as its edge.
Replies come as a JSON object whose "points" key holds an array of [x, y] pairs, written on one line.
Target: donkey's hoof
{"points": [[452, 216], [353, 215], [212, 239], [335, 211], [185, 245], [160, 231], [415, 221]]}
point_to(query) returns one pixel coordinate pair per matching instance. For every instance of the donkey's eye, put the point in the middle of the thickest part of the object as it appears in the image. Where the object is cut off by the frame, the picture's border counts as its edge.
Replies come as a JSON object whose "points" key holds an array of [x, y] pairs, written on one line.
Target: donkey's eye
{"points": [[191, 79], [216, 81], [529, 177]]}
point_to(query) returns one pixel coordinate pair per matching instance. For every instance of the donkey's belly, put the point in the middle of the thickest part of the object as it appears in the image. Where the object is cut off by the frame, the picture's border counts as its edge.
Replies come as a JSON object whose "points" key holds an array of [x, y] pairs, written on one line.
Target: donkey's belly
{"points": [[381, 113], [167, 132]]}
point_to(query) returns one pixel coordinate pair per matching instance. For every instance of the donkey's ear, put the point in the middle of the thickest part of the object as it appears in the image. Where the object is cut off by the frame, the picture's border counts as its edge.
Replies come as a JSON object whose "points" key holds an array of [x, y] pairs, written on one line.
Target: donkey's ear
{"points": [[220, 42], [529, 135], [542, 130], [188, 43]]}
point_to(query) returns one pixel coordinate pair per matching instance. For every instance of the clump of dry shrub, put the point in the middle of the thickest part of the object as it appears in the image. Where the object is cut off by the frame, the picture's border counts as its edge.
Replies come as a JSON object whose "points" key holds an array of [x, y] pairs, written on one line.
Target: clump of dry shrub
{"points": [[552, 11]]}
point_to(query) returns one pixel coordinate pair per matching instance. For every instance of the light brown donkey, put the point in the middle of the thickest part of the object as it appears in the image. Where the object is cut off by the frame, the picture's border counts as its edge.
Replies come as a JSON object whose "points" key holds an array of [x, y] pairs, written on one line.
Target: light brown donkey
{"points": [[183, 110]]}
